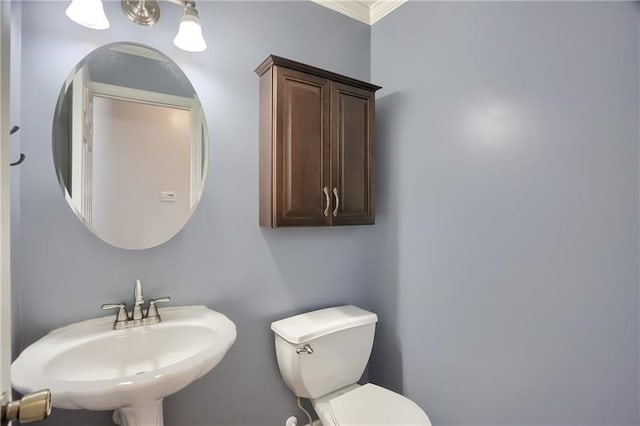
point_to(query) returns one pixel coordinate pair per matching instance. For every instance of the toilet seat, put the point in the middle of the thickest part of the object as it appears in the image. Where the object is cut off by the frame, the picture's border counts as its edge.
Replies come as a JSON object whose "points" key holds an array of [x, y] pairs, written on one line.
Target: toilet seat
{"points": [[372, 405]]}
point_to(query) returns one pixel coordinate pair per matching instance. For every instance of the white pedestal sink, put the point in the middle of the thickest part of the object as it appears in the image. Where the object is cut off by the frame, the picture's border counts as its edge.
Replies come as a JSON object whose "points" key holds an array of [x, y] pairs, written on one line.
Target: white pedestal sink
{"points": [[88, 365]]}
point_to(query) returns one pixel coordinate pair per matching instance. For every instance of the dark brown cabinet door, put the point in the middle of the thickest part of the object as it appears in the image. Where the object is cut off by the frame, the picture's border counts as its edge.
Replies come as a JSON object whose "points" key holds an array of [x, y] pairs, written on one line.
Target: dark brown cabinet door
{"points": [[352, 120], [302, 163]]}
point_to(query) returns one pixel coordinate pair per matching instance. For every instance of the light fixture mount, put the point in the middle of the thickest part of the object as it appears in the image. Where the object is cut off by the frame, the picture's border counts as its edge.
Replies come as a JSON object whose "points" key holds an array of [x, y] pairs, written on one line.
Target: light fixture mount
{"points": [[90, 13], [141, 12]]}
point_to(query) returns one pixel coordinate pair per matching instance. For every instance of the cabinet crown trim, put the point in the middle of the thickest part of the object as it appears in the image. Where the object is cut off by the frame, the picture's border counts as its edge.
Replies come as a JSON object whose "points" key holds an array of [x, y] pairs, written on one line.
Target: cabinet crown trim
{"points": [[298, 66]]}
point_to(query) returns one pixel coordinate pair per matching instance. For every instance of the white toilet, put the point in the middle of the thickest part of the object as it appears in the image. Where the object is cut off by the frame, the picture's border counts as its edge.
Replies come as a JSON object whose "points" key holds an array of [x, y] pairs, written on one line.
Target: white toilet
{"points": [[322, 354]]}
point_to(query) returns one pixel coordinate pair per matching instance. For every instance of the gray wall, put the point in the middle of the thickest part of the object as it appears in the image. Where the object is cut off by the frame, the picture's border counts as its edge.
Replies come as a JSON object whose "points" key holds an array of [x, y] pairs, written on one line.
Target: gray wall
{"points": [[504, 261], [508, 197], [221, 258]]}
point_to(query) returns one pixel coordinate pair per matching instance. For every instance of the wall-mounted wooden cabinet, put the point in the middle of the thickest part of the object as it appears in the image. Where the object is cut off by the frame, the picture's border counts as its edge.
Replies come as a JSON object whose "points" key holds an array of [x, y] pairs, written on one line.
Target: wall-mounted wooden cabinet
{"points": [[316, 146]]}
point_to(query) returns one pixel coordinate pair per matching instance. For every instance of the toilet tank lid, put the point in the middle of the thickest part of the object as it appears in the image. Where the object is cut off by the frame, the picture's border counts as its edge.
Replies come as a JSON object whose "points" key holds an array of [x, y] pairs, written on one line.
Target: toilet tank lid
{"points": [[311, 325]]}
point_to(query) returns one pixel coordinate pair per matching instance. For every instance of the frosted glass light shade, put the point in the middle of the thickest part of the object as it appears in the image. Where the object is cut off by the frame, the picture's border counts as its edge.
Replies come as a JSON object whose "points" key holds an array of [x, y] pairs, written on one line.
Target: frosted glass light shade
{"points": [[189, 35], [88, 13]]}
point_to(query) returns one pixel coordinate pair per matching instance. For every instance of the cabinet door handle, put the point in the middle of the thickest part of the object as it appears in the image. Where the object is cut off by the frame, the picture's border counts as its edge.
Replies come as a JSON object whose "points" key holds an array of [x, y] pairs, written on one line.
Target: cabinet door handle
{"points": [[335, 210], [327, 198]]}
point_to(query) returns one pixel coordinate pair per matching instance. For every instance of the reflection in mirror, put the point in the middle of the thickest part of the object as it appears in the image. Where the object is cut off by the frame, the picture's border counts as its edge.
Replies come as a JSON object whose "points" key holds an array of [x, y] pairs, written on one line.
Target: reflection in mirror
{"points": [[130, 145]]}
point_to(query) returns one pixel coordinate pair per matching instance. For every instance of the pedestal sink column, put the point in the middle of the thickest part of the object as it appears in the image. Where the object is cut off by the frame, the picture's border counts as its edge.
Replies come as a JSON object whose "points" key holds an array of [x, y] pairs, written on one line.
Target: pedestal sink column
{"points": [[145, 414]]}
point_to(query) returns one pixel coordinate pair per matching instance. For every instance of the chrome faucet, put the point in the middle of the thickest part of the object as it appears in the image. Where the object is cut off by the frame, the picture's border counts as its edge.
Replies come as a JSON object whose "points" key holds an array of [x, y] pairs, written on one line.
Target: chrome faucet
{"points": [[138, 316], [138, 301]]}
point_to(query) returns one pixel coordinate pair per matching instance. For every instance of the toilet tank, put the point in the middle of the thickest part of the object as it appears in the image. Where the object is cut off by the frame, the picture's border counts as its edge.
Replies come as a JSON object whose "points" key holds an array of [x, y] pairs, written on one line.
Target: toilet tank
{"points": [[340, 339]]}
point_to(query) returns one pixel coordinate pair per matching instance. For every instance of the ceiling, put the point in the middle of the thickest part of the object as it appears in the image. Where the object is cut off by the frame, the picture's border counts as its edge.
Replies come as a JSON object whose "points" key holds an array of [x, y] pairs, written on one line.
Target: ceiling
{"points": [[367, 11]]}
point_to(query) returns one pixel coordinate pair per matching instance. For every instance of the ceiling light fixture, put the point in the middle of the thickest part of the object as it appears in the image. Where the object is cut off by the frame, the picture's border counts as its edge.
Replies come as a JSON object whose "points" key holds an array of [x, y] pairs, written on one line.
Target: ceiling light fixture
{"points": [[141, 12], [189, 35], [90, 13]]}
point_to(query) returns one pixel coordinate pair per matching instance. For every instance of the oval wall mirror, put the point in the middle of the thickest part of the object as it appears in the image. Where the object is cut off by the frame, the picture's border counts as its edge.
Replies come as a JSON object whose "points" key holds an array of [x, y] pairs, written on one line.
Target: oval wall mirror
{"points": [[130, 145]]}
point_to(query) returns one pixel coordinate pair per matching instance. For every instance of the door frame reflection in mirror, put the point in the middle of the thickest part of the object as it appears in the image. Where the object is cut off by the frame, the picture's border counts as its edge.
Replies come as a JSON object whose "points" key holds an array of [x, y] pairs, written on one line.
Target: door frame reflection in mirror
{"points": [[84, 117]]}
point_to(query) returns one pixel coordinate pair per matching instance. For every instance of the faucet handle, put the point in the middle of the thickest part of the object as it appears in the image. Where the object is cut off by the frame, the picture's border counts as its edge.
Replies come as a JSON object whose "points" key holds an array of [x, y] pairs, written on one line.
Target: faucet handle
{"points": [[152, 310], [122, 311]]}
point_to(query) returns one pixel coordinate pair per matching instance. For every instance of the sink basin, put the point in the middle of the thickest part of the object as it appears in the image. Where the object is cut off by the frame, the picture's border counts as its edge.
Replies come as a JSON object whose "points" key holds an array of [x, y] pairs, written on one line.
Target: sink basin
{"points": [[88, 365]]}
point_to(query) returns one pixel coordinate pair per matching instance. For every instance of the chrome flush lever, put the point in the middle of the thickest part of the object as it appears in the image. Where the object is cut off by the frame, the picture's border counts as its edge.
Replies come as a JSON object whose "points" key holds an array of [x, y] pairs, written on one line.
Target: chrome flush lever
{"points": [[306, 349]]}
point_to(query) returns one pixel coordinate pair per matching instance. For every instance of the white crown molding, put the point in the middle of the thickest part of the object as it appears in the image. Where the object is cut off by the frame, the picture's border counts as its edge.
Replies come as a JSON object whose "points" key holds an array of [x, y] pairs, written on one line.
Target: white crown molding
{"points": [[367, 11], [352, 8], [382, 8]]}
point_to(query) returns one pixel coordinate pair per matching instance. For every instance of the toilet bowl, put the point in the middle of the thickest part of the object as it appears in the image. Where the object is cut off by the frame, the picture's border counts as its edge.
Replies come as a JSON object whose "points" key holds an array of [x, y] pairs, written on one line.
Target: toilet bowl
{"points": [[369, 404], [322, 355]]}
